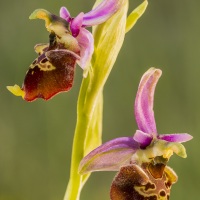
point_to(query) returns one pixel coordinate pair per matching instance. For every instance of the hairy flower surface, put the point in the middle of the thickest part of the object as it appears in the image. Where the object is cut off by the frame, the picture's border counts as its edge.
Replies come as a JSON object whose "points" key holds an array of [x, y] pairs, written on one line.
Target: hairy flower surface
{"points": [[69, 43], [141, 160]]}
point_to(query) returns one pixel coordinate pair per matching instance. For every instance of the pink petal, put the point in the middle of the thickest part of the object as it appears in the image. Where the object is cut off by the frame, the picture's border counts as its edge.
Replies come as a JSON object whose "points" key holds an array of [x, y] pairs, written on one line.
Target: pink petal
{"points": [[86, 43], [110, 156], [144, 113], [64, 13], [144, 139], [76, 24], [101, 13], [179, 137]]}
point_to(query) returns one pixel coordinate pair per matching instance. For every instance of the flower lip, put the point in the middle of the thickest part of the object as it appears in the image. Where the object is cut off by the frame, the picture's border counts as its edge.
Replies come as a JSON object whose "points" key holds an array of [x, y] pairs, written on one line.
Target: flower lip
{"points": [[52, 73]]}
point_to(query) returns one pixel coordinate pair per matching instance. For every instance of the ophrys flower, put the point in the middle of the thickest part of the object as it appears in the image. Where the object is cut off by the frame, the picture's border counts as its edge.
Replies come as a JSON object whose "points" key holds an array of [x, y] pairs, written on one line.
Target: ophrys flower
{"points": [[141, 160], [69, 43]]}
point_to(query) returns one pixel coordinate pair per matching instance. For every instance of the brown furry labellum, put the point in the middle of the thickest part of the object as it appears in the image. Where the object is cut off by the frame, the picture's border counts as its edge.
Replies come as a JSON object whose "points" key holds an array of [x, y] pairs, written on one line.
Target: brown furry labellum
{"points": [[147, 182]]}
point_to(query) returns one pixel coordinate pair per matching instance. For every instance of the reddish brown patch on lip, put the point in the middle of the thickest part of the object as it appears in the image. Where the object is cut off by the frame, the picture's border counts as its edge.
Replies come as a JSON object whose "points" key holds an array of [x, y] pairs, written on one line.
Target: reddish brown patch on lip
{"points": [[134, 182], [57, 76]]}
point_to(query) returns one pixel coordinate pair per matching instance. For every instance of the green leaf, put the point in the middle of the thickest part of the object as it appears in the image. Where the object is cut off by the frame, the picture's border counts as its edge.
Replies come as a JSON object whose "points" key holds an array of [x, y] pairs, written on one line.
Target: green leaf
{"points": [[135, 15]]}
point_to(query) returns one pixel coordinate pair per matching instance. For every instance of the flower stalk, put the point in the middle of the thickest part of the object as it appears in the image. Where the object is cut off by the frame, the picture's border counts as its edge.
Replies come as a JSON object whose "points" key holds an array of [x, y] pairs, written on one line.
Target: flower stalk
{"points": [[89, 108], [108, 39]]}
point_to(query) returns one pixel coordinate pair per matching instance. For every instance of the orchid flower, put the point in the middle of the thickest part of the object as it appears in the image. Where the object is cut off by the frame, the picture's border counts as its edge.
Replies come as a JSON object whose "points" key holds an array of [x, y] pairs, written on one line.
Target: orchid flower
{"points": [[69, 43], [141, 160]]}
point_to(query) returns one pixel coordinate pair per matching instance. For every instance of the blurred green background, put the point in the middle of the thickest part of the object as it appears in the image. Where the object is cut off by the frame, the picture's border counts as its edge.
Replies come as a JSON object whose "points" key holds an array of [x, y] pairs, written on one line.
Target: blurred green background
{"points": [[36, 138]]}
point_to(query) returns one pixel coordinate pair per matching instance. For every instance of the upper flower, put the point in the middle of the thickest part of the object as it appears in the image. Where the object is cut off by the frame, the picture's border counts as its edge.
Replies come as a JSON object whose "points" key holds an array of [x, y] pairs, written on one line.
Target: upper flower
{"points": [[69, 42], [146, 144]]}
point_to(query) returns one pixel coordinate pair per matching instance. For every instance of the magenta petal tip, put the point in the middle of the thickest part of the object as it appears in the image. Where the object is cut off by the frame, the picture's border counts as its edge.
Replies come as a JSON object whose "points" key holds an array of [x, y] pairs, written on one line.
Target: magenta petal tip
{"points": [[101, 13], [144, 139], [179, 137], [64, 13]]}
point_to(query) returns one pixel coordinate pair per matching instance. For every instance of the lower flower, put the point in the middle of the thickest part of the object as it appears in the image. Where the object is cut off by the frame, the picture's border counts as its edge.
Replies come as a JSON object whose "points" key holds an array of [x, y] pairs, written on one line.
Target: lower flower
{"points": [[142, 159]]}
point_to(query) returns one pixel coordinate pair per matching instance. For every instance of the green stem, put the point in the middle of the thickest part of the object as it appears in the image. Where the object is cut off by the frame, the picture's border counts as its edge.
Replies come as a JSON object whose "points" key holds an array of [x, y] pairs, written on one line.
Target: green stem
{"points": [[87, 104], [90, 102]]}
